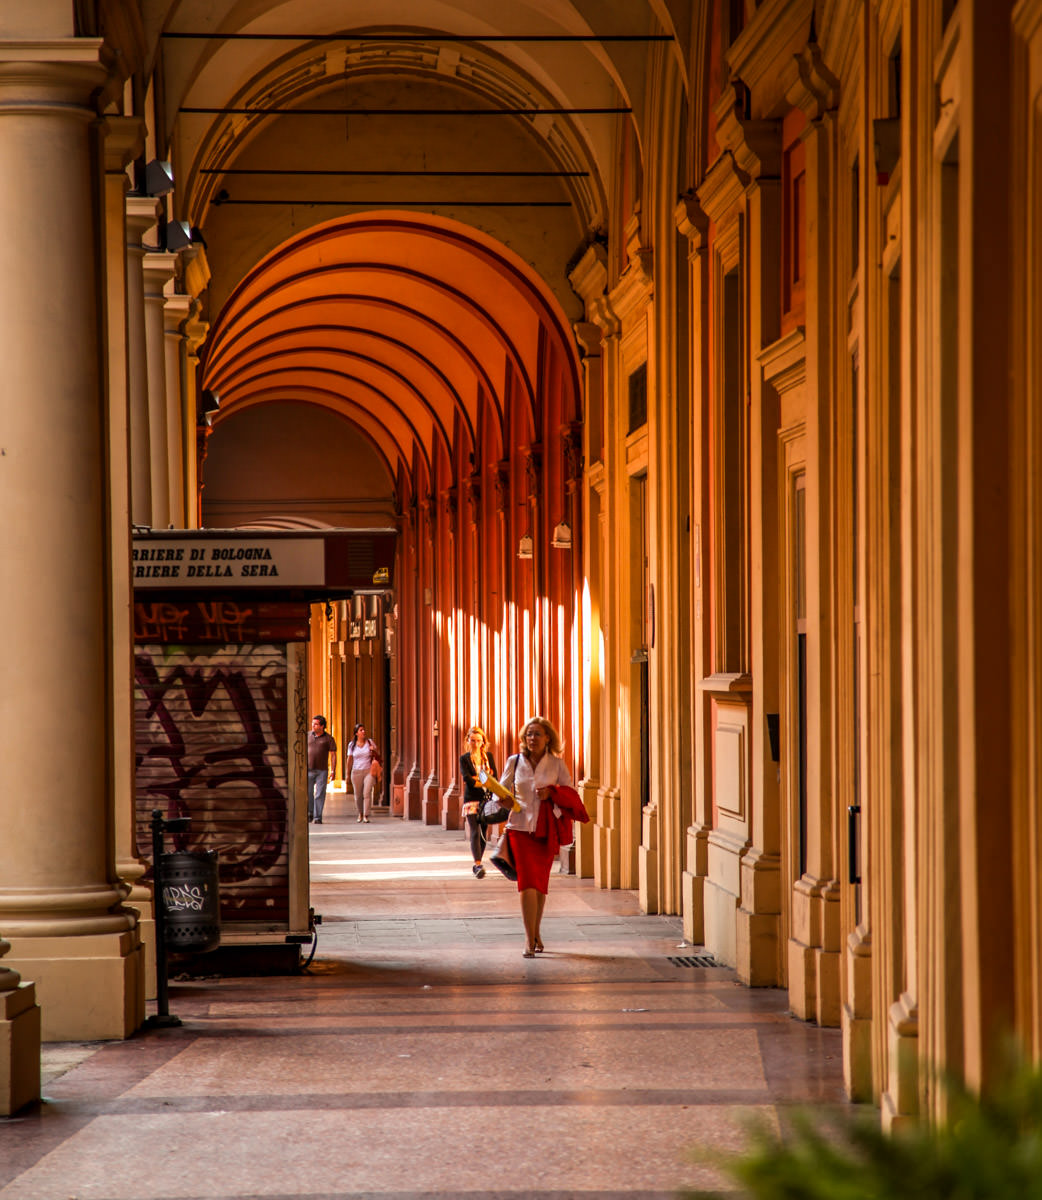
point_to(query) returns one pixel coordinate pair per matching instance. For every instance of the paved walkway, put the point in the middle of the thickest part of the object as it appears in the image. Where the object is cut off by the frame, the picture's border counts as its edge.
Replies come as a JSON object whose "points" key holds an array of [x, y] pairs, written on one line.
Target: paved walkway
{"points": [[421, 1055]]}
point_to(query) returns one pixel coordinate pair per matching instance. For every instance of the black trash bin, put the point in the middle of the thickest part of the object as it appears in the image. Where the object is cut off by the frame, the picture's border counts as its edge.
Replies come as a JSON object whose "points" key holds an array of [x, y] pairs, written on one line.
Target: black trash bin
{"points": [[191, 901]]}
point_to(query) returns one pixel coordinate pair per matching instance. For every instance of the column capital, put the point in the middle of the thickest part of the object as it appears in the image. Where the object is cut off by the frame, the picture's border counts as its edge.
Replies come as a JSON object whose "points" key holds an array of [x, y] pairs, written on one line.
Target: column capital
{"points": [[589, 276], [124, 141], [68, 71], [176, 311], [142, 215], [754, 144], [158, 267], [691, 220], [814, 90], [589, 336]]}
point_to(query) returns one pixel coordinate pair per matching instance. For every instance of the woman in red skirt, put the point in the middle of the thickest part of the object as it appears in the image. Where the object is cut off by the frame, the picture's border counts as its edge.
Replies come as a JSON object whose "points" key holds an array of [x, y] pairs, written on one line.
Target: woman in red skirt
{"points": [[530, 775]]}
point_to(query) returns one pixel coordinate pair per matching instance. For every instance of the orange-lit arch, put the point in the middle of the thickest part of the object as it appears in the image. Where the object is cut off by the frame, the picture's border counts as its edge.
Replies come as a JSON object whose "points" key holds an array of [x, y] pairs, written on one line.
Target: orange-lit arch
{"points": [[420, 323]]}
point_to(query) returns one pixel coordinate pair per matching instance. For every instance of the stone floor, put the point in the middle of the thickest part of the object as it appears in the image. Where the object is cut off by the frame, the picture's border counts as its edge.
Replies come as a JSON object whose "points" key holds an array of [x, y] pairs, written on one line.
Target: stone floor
{"points": [[421, 1055]]}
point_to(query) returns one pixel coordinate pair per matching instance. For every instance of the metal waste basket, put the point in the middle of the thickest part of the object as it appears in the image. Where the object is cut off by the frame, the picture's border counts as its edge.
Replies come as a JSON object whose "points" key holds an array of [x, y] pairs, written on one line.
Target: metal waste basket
{"points": [[191, 901]]}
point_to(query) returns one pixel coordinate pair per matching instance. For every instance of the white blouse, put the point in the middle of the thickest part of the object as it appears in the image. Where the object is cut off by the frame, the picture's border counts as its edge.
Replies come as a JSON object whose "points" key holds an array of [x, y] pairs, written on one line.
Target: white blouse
{"points": [[520, 777], [361, 756]]}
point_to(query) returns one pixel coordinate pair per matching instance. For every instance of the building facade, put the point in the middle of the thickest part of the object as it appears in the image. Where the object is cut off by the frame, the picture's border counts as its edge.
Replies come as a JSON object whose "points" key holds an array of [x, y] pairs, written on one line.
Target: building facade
{"points": [[692, 347]]}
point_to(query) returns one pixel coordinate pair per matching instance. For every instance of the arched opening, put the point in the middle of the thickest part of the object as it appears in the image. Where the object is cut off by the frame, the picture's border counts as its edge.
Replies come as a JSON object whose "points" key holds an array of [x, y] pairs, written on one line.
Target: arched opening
{"points": [[406, 370]]}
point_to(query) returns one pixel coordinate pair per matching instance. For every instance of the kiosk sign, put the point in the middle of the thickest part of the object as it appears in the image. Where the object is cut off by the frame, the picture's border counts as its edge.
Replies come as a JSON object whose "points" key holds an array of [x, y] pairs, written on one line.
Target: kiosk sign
{"points": [[233, 563]]}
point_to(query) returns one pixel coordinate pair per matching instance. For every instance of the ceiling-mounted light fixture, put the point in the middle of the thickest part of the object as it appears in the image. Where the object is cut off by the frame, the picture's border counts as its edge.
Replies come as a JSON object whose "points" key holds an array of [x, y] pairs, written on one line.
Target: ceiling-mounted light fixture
{"points": [[525, 547]]}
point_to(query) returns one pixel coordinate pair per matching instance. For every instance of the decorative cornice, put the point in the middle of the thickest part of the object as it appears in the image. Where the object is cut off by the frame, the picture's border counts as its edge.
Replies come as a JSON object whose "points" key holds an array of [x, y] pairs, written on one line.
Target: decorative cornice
{"points": [[774, 32], [450, 499], [196, 269], [814, 89], [142, 212], [472, 496], [589, 336], [691, 220], [572, 449], [722, 188], [501, 483], [602, 313], [756, 145], [124, 141], [784, 362], [176, 311], [589, 276], [532, 455]]}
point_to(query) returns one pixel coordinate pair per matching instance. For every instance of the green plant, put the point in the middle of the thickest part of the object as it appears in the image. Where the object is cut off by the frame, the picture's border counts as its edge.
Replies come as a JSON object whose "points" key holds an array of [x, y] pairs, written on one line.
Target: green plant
{"points": [[988, 1148]]}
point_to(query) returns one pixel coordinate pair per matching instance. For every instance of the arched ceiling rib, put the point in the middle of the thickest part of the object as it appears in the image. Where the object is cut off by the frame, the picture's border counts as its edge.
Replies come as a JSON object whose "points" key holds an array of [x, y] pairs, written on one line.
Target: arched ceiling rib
{"points": [[348, 316], [433, 322]]}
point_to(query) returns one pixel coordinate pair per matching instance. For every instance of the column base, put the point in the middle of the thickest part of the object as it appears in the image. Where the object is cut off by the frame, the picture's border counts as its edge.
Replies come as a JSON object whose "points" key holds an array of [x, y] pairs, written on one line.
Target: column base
{"points": [[450, 809], [90, 987], [723, 895], [584, 834], [900, 1100], [857, 1019], [693, 893], [430, 803], [758, 920], [648, 864], [814, 959], [413, 798], [756, 948], [19, 1048], [607, 845]]}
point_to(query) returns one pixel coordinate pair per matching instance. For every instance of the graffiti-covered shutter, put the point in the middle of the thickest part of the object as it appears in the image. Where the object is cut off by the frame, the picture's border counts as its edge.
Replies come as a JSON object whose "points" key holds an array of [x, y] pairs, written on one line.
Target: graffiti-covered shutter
{"points": [[212, 743]]}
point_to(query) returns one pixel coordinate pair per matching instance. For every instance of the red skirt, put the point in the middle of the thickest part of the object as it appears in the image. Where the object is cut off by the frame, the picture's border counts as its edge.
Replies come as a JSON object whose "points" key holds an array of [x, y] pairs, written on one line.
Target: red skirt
{"points": [[532, 860]]}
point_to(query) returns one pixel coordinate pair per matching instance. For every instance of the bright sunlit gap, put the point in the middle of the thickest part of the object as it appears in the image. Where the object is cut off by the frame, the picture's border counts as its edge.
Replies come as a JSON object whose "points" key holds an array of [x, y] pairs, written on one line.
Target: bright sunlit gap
{"points": [[322, 876], [412, 860]]}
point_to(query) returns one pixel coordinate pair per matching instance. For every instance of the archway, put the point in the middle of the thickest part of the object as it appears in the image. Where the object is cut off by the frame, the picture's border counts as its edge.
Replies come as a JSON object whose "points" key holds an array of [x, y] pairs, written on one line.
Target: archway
{"points": [[447, 365]]}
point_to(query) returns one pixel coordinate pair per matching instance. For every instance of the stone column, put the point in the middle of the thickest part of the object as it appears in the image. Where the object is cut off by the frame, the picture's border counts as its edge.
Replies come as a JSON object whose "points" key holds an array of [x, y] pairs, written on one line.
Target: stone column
{"points": [[60, 899], [176, 311], [141, 214], [158, 271], [124, 137]]}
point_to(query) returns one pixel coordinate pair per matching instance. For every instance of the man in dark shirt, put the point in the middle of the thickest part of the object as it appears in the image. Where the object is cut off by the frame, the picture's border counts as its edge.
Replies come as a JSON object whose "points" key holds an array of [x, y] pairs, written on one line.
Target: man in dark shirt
{"points": [[321, 767]]}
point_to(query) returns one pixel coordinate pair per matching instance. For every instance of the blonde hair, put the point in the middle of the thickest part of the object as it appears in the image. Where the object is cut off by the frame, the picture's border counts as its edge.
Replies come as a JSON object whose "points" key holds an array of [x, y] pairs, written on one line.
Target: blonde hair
{"points": [[553, 738], [483, 752]]}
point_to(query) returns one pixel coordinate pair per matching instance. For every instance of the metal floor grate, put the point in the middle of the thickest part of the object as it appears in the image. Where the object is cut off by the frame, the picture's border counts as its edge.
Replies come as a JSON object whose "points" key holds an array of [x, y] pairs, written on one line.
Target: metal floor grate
{"points": [[693, 960]]}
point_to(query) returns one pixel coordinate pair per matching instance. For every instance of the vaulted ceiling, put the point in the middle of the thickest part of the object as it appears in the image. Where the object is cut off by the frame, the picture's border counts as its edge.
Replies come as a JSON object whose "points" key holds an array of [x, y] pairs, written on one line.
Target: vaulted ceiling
{"points": [[391, 193]]}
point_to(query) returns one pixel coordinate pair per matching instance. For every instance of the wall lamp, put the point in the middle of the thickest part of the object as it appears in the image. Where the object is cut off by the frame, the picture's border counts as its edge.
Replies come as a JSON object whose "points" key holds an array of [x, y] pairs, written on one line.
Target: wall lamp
{"points": [[209, 403], [562, 537], [159, 178], [176, 236]]}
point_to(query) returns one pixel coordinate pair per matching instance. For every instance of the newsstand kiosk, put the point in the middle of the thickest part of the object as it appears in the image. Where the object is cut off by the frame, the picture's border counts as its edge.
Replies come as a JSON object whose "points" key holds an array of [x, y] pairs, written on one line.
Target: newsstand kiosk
{"points": [[221, 631]]}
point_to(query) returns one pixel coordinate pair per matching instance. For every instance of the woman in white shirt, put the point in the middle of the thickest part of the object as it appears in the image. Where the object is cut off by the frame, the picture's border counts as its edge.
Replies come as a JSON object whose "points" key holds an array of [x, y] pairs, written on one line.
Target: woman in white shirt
{"points": [[361, 754], [530, 775]]}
